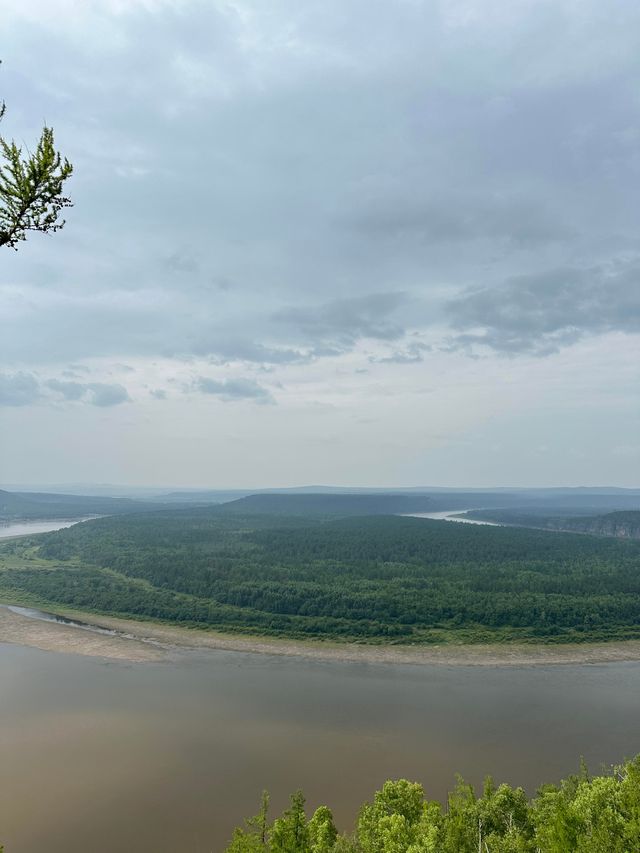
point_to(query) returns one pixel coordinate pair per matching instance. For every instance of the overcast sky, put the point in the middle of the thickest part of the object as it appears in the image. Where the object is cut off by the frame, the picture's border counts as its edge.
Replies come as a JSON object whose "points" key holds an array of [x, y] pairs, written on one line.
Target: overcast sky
{"points": [[373, 242]]}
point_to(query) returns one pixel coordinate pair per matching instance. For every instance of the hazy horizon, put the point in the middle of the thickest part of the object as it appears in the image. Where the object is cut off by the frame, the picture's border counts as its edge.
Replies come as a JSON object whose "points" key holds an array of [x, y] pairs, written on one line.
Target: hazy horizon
{"points": [[141, 487]]}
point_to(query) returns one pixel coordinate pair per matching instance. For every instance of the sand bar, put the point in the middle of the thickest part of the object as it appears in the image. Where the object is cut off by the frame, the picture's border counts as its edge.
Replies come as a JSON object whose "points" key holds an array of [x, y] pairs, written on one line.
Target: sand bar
{"points": [[54, 637], [152, 642]]}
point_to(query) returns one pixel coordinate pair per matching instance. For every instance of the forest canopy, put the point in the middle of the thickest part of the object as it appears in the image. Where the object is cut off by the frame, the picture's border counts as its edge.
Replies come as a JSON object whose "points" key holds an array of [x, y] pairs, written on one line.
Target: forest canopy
{"points": [[582, 814], [372, 579]]}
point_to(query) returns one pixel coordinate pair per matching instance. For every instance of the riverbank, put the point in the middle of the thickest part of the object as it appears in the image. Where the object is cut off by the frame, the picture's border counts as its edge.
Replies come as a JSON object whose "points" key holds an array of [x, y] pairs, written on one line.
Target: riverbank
{"points": [[57, 637], [148, 642]]}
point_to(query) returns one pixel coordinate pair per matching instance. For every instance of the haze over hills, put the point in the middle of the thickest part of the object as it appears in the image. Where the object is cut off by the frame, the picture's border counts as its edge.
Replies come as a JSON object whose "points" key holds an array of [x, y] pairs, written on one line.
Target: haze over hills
{"points": [[230, 493], [330, 504], [43, 506], [555, 502], [624, 524]]}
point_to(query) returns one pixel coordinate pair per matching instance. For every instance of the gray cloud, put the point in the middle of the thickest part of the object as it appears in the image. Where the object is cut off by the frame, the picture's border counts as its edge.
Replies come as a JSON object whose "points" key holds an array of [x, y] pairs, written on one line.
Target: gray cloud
{"points": [[69, 390], [104, 394], [412, 354], [18, 389], [76, 370], [223, 351], [182, 262], [461, 219], [94, 393], [231, 390], [540, 313], [338, 324], [222, 282]]}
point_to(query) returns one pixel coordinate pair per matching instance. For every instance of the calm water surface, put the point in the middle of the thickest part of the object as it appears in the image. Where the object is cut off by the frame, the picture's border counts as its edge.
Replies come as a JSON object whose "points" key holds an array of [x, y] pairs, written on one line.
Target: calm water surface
{"points": [[28, 528], [99, 756]]}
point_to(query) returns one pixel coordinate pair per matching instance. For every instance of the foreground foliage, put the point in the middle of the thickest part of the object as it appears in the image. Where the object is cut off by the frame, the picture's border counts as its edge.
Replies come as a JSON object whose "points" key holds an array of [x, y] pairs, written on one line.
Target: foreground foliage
{"points": [[372, 579], [582, 814], [31, 188]]}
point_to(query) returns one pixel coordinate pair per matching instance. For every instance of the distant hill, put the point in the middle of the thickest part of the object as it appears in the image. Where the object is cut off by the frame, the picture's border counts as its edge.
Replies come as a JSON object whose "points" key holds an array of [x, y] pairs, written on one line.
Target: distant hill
{"points": [[329, 501], [17, 506], [203, 496], [328, 504], [569, 502], [622, 525]]}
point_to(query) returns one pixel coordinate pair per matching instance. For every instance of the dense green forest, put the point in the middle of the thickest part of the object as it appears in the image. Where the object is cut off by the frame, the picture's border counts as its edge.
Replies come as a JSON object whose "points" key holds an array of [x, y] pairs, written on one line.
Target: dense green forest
{"points": [[623, 525], [371, 579], [581, 815]]}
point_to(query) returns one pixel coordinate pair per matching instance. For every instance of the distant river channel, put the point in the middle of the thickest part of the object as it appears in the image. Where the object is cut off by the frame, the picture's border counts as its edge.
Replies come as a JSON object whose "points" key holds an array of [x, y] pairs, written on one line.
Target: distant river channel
{"points": [[453, 515], [27, 528], [167, 757]]}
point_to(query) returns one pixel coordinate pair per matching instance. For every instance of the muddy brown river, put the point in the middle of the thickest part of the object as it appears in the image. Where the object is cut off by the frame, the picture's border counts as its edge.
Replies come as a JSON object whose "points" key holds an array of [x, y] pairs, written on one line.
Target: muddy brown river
{"points": [[162, 757]]}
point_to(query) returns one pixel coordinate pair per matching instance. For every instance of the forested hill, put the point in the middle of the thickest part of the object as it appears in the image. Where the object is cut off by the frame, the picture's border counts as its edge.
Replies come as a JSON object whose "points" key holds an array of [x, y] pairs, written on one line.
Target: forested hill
{"points": [[328, 504], [621, 525], [42, 505], [371, 579]]}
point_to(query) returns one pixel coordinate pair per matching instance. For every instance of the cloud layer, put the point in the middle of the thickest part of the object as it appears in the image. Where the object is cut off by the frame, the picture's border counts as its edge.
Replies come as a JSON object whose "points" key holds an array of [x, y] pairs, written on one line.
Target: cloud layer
{"points": [[234, 389], [541, 313], [273, 203]]}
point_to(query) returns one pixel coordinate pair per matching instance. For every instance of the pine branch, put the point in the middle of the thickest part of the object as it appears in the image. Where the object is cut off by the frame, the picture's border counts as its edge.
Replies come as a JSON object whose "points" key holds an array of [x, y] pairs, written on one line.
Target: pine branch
{"points": [[31, 189]]}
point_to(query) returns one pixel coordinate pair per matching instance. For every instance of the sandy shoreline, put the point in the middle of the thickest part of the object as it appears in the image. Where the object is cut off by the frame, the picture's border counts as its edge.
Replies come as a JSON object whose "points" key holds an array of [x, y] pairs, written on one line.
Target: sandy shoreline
{"points": [[53, 637], [148, 642]]}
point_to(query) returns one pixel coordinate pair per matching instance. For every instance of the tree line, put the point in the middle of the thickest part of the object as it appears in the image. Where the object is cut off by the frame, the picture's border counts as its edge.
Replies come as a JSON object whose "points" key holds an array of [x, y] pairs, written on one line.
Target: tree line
{"points": [[583, 814]]}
